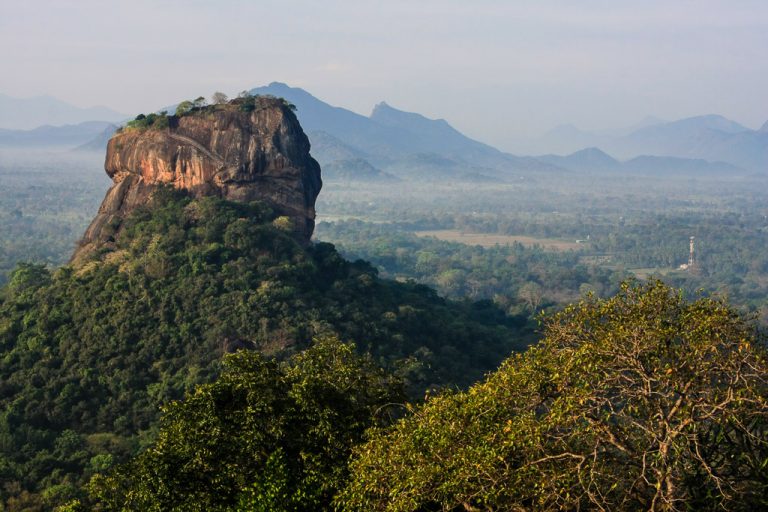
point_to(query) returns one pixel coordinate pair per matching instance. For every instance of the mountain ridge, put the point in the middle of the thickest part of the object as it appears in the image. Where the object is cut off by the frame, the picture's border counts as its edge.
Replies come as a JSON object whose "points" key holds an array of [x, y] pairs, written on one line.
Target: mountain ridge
{"points": [[594, 159], [390, 138], [30, 113], [48, 135], [711, 137]]}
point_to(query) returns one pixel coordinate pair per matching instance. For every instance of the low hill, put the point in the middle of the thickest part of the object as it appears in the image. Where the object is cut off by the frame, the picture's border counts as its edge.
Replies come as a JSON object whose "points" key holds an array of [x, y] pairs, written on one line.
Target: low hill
{"points": [[328, 149], [29, 113], [670, 166], [98, 143], [595, 160], [355, 169], [712, 138], [67, 135], [589, 159]]}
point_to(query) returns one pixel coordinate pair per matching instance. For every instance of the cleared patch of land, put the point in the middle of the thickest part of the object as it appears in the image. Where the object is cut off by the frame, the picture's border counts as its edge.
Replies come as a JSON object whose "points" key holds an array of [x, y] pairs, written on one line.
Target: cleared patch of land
{"points": [[645, 273], [489, 240], [335, 218], [338, 218]]}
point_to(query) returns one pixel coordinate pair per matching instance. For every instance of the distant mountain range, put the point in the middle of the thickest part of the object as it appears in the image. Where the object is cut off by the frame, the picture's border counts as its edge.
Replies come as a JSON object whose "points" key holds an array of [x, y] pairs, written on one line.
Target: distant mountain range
{"points": [[595, 160], [67, 135], [411, 146], [99, 142], [29, 113], [711, 138], [355, 169], [404, 144], [392, 144]]}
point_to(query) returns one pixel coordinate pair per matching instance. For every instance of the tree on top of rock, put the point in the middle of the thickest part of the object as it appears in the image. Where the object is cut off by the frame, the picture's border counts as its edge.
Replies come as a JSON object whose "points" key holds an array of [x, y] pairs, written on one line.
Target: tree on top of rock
{"points": [[219, 98]]}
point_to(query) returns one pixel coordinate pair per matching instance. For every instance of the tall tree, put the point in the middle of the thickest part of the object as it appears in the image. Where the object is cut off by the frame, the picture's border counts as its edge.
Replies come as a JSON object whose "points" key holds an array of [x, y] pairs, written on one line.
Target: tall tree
{"points": [[264, 436], [219, 98], [640, 402]]}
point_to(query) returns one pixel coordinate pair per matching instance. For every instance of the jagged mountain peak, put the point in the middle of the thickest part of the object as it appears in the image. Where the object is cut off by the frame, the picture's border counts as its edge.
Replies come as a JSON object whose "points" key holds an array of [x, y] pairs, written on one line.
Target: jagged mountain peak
{"points": [[389, 135], [386, 114]]}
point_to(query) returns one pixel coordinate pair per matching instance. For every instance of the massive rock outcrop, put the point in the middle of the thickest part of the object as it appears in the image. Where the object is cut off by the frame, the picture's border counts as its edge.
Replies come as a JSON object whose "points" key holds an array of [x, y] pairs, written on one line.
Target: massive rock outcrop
{"points": [[238, 151]]}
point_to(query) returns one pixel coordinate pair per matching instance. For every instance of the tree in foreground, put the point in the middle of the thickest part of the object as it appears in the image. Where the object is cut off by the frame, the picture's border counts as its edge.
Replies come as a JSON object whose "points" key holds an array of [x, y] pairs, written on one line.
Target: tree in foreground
{"points": [[265, 436], [640, 402]]}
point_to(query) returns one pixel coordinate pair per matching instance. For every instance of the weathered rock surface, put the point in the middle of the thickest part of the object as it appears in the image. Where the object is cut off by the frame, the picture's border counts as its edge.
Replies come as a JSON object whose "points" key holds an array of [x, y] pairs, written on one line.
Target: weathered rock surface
{"points": [[220, 151]]}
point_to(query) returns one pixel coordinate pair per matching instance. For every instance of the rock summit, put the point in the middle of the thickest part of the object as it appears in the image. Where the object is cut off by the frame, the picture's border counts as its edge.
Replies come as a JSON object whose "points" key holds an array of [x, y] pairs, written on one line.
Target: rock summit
{"points": [[248, 149]]}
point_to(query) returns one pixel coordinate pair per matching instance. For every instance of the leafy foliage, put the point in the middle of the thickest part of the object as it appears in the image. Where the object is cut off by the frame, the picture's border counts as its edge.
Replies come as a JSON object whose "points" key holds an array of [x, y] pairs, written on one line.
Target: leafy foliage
{"points": [[46, 202], [219, 98], [157, 121], [96, 350], [264, 436], [184, 107], [639, 402], [517, 278], [635, 224]]}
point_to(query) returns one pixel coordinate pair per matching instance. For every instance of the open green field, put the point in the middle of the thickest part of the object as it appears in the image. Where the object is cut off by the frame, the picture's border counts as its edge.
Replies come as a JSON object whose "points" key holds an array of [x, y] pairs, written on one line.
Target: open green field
{"points": [[489, 240], [645, 273]]}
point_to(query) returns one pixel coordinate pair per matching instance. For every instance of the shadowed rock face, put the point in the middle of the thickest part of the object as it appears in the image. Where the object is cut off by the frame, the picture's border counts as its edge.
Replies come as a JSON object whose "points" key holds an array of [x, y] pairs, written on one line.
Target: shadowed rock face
{"points": [[222, 151]]}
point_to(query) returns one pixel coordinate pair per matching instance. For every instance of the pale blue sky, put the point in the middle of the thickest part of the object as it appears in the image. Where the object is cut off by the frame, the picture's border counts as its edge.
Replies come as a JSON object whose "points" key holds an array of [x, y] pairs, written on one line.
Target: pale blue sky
{"points": [[497, 70]]}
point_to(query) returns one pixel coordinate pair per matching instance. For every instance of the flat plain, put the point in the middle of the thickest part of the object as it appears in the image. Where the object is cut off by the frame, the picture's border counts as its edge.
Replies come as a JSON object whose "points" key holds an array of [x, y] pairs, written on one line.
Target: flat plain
{"points": [[490, 240]]}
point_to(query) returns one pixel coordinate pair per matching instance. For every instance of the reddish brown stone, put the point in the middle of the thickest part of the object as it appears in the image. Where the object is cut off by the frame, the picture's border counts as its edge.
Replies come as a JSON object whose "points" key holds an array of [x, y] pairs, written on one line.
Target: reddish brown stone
{"points": [[220, 151]]}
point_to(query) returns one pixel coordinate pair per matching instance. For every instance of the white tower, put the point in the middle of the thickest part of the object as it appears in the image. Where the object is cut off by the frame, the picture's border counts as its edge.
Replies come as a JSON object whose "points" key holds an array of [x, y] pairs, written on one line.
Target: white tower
{"points": [[691, 259]]}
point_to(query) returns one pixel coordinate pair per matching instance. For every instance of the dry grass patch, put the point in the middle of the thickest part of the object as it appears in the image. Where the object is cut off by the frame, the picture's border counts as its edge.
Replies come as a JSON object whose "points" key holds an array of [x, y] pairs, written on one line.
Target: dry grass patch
{"points": [[490, 240]]}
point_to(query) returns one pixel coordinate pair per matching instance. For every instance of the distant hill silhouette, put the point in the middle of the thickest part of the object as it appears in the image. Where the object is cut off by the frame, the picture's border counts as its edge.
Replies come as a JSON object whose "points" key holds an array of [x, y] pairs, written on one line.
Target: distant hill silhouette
{"points": [[29, 113], [67, 135], [355, 169], [396, 141], [712, 138], [99, 143], [589, 159], [670, 165], [596, 160], [566, 139]]}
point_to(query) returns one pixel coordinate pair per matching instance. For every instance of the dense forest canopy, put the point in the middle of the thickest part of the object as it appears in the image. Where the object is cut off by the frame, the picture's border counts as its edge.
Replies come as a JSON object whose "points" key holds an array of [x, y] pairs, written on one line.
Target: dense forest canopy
{"points": [[644, 401], [264, 436], [46, 202], [639, 402], [90, 353], [626, 226]]}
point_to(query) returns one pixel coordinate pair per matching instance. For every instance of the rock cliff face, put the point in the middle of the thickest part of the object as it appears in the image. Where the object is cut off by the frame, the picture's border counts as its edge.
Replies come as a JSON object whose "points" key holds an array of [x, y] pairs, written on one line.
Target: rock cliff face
{"points": [[220, 151]]}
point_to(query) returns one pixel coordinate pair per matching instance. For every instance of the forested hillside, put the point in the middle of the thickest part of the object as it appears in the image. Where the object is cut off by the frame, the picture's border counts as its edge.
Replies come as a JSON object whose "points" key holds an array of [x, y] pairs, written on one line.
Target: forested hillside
{"points": [[90, 353], [644, 401]]}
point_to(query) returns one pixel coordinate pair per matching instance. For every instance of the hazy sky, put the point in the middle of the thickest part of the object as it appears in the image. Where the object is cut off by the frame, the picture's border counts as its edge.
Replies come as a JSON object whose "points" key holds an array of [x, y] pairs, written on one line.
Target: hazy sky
{"points": [[496, 70]]}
